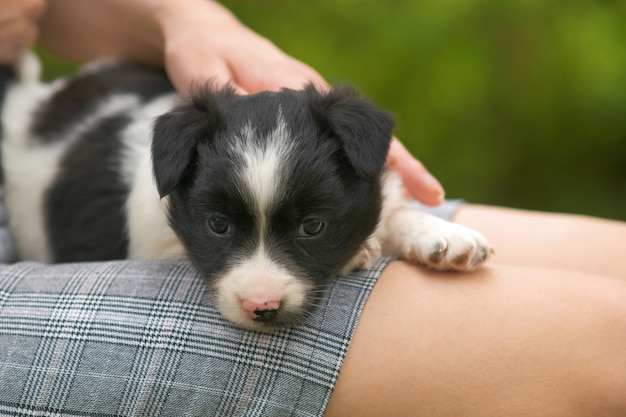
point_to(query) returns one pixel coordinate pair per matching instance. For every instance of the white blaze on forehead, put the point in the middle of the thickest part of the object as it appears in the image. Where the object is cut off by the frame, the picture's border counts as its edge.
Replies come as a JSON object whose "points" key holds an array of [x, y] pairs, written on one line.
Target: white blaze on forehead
{"points": [[263, 159]]}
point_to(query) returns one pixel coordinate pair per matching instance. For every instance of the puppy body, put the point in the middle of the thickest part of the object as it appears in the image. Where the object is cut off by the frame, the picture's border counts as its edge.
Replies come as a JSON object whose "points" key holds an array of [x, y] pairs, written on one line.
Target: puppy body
{"points": [[269, 195]]}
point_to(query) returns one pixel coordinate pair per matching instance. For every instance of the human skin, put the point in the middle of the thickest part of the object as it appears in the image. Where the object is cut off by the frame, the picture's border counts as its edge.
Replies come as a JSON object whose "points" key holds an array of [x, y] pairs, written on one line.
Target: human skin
{"points": [[501, 341], [550, 240], [18, 27], [539, 331], [196, 40]]}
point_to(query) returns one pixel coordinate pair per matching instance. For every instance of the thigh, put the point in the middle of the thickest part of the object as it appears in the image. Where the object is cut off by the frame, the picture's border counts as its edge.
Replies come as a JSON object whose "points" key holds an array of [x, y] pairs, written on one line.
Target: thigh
{"points": [[499, 341], [529, 238]]}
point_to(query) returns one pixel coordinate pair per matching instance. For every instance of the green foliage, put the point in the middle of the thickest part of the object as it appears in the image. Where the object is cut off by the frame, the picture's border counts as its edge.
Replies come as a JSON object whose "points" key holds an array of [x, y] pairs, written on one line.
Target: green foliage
{"points": [[53, 66], [513, 102]]}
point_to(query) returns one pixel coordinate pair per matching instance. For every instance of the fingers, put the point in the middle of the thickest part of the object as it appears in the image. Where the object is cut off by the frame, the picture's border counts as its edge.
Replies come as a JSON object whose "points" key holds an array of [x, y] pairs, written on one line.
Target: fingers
{"points": [[16, 35], [29, 9], [417, 180], [190, 63], [217, 74], [188, 69], [18, 28], [32, 9], [251, 63], [286, 73]]}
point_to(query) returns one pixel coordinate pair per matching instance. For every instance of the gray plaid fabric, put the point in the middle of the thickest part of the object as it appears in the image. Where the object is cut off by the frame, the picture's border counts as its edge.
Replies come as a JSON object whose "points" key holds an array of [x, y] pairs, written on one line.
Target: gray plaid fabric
{"points": [[142, 339]]}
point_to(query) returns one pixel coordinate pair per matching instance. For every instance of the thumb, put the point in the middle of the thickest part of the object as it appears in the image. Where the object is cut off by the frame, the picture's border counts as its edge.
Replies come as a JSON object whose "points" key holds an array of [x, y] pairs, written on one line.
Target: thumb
{"points": [[197, 72], [417, 180]]}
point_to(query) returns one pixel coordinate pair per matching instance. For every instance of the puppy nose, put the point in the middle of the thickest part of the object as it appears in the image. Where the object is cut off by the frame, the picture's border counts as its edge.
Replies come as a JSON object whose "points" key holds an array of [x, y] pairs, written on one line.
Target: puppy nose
{"points": [[265, 311]]}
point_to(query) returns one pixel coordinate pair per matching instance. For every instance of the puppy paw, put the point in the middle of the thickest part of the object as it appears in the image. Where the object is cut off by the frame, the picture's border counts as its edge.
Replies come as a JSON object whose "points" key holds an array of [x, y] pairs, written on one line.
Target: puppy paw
{"points": [[367, 256], [447, 247]]}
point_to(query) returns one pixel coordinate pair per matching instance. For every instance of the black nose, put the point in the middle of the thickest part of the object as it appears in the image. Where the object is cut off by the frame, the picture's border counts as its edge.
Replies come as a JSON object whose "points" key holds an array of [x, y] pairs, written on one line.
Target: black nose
{"points": [[265, 315]]}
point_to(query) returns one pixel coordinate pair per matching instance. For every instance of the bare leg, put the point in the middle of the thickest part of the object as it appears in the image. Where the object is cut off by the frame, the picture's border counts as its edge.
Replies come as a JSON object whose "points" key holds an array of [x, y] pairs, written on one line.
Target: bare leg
{"points": [[500, 341], [529, 238]]}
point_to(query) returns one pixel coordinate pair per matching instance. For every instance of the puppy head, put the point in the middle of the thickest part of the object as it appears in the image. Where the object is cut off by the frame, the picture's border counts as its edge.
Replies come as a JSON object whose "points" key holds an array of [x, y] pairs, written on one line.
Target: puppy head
{"points": [[271, 194]]}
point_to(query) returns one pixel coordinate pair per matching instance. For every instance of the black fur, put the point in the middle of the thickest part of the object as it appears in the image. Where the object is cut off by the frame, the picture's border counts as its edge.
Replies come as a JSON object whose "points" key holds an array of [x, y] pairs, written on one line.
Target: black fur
{"points": [[340, 146], [76, 100], [357, 124], [84, 206], [187, 125]]}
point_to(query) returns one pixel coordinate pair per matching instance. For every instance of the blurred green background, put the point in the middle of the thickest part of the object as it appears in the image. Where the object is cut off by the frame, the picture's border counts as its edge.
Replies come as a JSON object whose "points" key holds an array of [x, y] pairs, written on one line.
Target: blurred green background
{"points": [[510, 102]]}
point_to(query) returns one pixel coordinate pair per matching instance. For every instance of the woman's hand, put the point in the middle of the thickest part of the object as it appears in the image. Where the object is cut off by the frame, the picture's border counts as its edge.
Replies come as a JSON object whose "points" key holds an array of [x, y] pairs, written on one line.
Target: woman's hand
{"points": [[419, 183], [210, 43], [196, 40], [207, 42], [18, 28]]}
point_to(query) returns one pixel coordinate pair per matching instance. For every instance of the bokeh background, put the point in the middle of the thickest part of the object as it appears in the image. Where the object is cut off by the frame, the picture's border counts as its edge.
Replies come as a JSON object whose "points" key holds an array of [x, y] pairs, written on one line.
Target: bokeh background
{"points": [[510, 102]]}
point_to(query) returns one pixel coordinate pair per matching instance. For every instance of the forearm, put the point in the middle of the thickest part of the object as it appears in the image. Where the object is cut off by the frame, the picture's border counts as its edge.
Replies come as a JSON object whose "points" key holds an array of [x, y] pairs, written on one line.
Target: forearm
{"points": [[83, 30], [195, 41]]}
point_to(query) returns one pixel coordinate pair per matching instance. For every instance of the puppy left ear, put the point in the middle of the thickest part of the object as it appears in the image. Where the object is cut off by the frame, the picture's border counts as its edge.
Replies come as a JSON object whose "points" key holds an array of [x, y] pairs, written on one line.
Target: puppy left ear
{"points": [[364, 130], [176, 135]]}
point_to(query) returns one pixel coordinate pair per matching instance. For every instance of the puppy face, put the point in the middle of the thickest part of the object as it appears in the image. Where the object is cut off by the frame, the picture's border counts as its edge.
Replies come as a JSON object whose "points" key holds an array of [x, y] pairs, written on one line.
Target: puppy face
{"points": [[271, 194]]}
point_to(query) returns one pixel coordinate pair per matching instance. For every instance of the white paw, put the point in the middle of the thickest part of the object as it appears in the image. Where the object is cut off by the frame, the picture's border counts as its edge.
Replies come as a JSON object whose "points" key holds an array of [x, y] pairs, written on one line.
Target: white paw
{"points": [[446, 246], [369, 253]]}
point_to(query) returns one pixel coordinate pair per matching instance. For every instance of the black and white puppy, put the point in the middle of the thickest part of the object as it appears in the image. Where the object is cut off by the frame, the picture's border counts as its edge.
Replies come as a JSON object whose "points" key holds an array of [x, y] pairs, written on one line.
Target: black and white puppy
{"points": [[270, 195]]}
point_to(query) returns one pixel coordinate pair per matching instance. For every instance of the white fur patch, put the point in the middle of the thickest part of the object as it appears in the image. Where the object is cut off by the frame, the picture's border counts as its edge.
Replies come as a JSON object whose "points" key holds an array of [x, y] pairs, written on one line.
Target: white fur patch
{"points": [[419, 237], [261, 177], [148, 228], [29, 68], [33, 166], [257, 279], [149, 232]]}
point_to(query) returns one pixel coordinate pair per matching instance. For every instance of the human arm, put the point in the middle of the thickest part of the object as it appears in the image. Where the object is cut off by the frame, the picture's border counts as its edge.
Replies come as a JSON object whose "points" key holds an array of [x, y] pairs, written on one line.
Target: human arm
{"points": [[196, 40], [18, 27]]}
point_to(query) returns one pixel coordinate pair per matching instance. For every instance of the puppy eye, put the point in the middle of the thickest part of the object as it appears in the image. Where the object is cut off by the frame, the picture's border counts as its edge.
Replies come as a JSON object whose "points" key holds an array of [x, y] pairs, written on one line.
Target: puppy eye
{"points": [[310, 228], [218, 224]]}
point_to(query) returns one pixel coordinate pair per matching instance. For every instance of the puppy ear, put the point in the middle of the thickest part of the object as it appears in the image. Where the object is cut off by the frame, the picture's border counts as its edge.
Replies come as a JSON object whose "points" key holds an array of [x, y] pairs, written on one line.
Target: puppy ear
{"points": [[363, 130], [177, 134]]}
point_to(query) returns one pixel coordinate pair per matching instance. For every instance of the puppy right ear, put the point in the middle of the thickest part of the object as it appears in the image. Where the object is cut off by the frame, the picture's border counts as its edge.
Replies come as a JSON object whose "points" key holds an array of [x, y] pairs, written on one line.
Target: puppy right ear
{"points": [[363, 130], [176, 136]]}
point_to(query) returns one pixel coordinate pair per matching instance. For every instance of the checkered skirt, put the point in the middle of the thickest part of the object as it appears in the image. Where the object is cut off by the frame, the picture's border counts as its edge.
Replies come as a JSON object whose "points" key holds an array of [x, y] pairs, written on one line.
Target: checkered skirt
{"points": [[142, 339], [133, 338]]}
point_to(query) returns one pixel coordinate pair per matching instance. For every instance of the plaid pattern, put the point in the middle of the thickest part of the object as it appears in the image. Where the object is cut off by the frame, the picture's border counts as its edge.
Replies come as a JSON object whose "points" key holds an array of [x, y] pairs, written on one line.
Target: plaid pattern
{"points": [[142, 339]]}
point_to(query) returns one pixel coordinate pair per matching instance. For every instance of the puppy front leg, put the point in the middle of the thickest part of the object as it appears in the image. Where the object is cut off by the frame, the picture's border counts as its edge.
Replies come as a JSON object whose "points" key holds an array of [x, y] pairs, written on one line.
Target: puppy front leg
{"points": [[424, 239], [418, 237]]}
